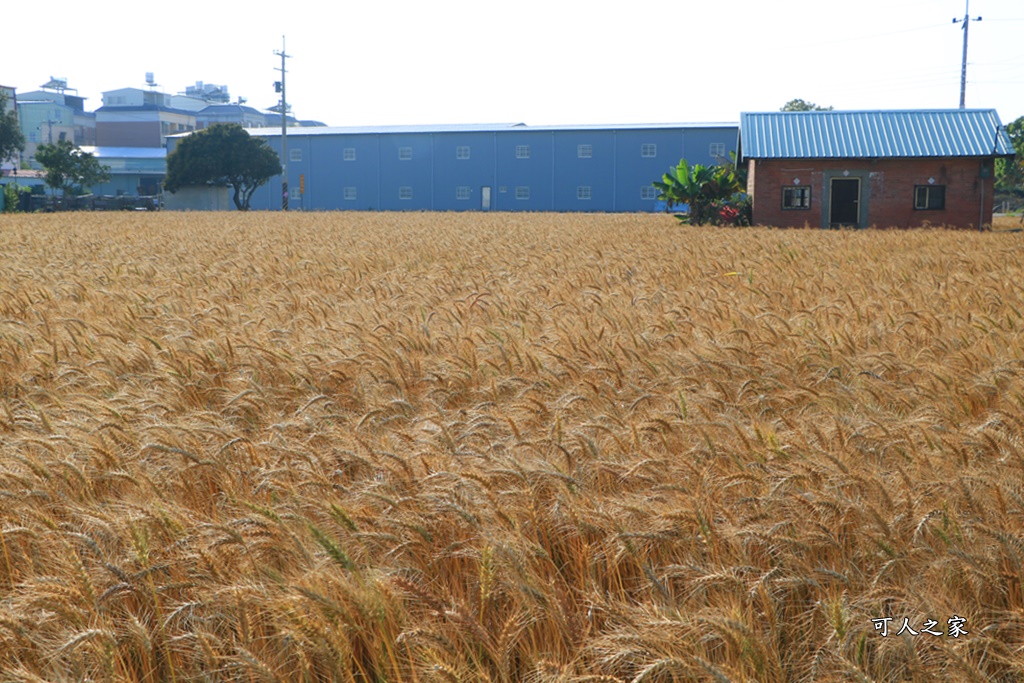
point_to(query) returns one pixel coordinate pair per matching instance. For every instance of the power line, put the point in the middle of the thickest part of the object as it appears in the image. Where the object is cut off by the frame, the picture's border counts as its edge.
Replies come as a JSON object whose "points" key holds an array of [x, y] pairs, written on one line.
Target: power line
{"points": [[854, 39]]}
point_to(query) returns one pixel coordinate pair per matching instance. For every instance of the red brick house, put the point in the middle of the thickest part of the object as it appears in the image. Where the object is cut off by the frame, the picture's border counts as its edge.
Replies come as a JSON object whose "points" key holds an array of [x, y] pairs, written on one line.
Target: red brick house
{"points": [[872, 168]]}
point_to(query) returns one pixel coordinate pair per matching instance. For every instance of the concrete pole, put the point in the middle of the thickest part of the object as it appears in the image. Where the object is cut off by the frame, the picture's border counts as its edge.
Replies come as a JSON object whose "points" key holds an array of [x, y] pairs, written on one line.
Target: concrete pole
{"points": [[963, 63], [284, 129]]}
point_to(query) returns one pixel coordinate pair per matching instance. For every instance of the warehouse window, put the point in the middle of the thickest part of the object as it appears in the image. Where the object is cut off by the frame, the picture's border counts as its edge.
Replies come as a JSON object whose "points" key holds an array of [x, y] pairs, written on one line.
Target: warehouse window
{"points": [[716, 150], [295, 154], [583, 192], [462, 152], [405, 153], [648, 192], [796, 197], [349, 154], [522, 151], [405, 192], [349, 194], [930, 197], [648, 150], [584, 151], [462, 192], [523, 192]]}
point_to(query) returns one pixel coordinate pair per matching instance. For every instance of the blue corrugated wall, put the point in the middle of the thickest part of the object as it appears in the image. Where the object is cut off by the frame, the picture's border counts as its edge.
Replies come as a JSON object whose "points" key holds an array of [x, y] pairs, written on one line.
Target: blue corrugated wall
{"points": [[526, 169]]}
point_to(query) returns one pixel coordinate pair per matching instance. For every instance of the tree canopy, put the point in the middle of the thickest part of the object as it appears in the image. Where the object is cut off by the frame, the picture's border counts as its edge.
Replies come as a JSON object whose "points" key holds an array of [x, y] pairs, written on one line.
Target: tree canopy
{"points": [[1010, 172], [803, 105], [68, 167], [12, 140], [223, 155]]}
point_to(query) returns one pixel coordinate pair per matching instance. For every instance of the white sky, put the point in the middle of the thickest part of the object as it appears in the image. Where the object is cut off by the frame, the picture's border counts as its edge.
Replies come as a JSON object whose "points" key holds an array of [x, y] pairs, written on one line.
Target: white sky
{"points": [[531, 61]]}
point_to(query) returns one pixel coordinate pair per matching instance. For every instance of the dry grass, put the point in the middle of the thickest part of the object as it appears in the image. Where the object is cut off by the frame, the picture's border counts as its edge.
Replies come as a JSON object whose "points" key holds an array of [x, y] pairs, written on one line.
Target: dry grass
{"points": [[423, 447], [1008, 222]]}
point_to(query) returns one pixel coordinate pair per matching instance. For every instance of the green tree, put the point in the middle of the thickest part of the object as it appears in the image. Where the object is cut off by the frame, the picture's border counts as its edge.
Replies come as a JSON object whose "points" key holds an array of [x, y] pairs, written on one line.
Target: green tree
{"points": [[12, 141], [1010, 172], [12, 198], [223, 155], [68, 168], [704, 189], [803, 105]]}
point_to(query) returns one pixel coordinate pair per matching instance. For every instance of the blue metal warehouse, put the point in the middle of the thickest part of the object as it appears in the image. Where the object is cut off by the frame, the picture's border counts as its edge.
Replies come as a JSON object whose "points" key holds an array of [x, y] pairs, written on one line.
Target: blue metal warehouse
{"points": [[486, 167]]}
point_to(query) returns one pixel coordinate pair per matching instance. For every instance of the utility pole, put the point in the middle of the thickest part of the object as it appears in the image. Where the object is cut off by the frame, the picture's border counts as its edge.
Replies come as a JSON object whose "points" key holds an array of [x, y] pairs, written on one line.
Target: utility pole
{"points": [[284, 127], [963, 64]]}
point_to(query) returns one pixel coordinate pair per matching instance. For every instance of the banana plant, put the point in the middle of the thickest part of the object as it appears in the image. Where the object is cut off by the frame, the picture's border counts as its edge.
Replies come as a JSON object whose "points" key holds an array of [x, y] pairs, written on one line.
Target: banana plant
{"points": [[699, 187]]}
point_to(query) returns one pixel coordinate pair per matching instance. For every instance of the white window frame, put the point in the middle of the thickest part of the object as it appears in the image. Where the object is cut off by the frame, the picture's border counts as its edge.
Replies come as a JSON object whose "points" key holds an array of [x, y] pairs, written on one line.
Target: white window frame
{"points": [[716, 150], [405, 153], [648, 193], [295, 154], [584, 151], [462, 152], [648, 150], [584, 192], [405, 192], [523, 192], [349, 194], [348, 154], [522, 151], [462, 192]]}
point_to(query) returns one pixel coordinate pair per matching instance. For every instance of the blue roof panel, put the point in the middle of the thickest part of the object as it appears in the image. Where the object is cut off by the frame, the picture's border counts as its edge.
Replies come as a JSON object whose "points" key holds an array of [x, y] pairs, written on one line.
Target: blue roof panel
{"points": [[871, 134]]}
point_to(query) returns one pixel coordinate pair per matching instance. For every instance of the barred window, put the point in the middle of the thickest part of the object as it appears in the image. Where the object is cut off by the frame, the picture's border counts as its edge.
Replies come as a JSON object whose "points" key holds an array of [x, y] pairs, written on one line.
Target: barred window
{"points": [[796, 197]]}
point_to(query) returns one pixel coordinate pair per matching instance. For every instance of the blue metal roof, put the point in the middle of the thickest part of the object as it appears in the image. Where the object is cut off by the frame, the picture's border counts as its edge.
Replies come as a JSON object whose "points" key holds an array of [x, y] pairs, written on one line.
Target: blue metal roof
{"points": [[473, 128], [871, 134], [125, 152]]}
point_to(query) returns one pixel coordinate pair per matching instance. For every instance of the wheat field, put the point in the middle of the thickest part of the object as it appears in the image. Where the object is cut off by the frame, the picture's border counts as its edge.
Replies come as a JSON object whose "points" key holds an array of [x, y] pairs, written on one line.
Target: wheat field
{"points": [[507, 447]]}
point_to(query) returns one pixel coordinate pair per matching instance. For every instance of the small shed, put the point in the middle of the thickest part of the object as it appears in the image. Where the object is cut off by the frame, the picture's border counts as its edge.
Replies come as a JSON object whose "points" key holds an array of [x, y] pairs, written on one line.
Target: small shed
{"points": [[858, 169]]}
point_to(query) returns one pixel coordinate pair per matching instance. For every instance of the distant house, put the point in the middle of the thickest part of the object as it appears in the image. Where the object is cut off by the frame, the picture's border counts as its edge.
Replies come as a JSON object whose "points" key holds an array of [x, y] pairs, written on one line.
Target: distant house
{"points": [[246, 117], [131, 117], [54, 112], [133, 170], [872, 168]]}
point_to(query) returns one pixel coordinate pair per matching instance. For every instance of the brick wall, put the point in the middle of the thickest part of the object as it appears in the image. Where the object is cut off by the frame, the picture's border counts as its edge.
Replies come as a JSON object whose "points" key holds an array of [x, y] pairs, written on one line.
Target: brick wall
{"points": [[887, 189]]}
